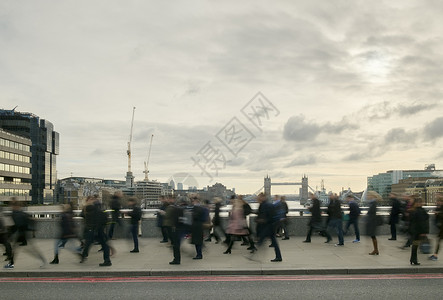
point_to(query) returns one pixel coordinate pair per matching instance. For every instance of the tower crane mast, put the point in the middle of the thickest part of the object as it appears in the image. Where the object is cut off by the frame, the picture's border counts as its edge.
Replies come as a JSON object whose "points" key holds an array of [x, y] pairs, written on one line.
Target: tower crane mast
{"points": [[146, 171]]}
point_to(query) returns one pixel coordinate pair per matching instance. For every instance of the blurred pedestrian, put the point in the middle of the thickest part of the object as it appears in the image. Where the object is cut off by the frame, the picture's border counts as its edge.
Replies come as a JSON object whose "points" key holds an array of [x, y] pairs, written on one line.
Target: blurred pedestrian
{"points": [[23, 224], [67, 232], [373, 220], [315, 222], [136, 215], [237, 226], [335, 218], [115, 213], [409, 201], [266, 225], [354, 214], [200, 217], [174, 215], [217, 230], [282, 210], [5, 223], [95, 220], [419, 227], [439, 224], [394, 215]]}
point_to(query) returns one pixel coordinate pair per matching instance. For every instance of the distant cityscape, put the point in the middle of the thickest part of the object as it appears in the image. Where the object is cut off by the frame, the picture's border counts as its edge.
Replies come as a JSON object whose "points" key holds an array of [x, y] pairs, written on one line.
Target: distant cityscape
{"points": [[29, 147]]}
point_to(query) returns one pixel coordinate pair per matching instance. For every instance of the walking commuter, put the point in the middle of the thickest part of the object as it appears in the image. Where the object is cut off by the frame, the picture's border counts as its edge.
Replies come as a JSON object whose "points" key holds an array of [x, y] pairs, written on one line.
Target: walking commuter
{"points": [[217, 230], [394, 215], [266, 225], [354, 214], [335, 218], [115, 214], [4, 239], [200, 217], [439, 224], [67, 233], [237, 226], [174, 215], [23, 224], [247, 210], [372, 220], [160, 219], [282, 210], [315, 222], [408, 206], [136, 215], [95, 222], [419, 227]]}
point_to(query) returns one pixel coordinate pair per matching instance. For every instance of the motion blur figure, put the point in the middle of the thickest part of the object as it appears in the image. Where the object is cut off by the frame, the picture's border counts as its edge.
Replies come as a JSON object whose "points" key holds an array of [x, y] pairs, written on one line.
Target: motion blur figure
{"points": [[394, 215], [67, 233], [23, 224], [217, 230], [372, 220], [237, 226], [200, 216], [115, 206], [266, 225], [4, 238], [335, 218], [315, 222], [354, 214], [160, 219], [95, 222], [136, 215], [439, 224], [419, 227]]}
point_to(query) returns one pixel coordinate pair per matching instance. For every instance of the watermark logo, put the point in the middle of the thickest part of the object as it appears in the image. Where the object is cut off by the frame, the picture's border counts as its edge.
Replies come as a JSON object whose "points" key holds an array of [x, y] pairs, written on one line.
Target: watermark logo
{"points": [[212, 158]]}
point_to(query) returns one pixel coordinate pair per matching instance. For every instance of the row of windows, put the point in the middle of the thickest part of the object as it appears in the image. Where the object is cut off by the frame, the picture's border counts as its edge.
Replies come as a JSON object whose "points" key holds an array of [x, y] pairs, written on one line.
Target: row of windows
{"points": [[14, 145], [14, 181], [13, 192], [16, 169], [14, 156]]}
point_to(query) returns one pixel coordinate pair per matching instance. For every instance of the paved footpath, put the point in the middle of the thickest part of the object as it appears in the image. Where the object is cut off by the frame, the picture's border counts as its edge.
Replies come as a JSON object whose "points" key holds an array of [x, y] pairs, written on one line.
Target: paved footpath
{"points": [[298, 259]]}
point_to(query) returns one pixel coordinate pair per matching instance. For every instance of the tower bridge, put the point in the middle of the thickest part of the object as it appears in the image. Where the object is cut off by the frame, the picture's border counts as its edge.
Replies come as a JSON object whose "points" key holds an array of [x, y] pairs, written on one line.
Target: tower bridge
{"points": [[303, 190]]}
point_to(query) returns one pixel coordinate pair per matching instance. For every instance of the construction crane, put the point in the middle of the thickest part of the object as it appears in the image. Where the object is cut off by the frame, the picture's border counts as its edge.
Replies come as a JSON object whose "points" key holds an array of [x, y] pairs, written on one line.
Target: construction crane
{"points": [[129, 177], [146, 171]]}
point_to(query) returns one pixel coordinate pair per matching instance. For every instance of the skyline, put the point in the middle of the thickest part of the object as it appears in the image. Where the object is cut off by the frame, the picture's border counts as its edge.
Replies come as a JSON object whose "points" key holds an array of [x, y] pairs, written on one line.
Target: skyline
{"points": [[353, 88]]}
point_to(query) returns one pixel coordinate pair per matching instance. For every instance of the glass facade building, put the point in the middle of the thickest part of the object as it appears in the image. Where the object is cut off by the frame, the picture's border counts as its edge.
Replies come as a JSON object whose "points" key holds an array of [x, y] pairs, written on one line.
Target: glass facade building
{"points": [[15, 167], [44, 149]]}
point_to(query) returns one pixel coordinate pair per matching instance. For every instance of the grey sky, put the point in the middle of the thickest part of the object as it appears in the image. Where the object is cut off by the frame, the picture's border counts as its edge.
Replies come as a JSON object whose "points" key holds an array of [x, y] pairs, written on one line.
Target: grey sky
{"points": [[357, 85]]}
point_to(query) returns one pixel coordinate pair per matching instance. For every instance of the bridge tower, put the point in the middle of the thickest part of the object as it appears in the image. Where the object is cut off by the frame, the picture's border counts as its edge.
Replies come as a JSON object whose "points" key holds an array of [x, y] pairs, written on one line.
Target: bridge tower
{"points": [[267, 186], [304, 190]]}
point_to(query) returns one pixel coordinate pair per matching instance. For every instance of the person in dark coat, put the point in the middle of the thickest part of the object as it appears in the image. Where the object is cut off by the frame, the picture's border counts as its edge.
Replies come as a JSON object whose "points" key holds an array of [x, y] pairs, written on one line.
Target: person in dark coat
{"points": [[372, 220], [160, 219], [136, 215], [354, 214], [67, 232], [419, 227], [335, 218], [200, 217], [217, 229], [266, 225], [439, 224], [394, 215], [315, 222], [95, 222], [115, 206], [174, 217]]}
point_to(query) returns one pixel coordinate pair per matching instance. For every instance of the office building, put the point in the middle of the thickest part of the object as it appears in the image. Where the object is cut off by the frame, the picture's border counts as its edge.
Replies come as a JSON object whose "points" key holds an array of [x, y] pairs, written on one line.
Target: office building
{"points": [[44, 149], [15, 167]]}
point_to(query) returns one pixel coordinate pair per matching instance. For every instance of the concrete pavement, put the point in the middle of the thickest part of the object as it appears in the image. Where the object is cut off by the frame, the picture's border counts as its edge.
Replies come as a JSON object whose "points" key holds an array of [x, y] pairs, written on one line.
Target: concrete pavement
{"points": [[298, 259]]}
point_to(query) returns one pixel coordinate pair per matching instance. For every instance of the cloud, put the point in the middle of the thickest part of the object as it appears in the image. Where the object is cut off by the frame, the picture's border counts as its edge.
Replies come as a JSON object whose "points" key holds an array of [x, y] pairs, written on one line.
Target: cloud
{"points": [[302, 161], [298, 129], [387, 109], [399, 135], [433, 130]]}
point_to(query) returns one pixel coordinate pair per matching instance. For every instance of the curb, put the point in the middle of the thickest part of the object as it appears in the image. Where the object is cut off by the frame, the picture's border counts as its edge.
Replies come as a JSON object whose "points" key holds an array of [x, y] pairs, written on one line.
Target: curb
{"points": [[220, 272]]}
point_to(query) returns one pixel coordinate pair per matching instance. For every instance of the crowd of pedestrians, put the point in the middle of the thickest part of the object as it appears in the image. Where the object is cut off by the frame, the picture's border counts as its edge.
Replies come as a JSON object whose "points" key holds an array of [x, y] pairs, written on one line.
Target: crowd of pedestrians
{"points": [[188, 218]]}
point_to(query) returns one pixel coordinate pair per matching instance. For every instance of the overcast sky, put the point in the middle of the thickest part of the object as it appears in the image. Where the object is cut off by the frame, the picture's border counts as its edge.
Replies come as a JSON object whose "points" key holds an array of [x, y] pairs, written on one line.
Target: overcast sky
{"points": [[348, 89]]}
